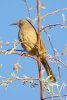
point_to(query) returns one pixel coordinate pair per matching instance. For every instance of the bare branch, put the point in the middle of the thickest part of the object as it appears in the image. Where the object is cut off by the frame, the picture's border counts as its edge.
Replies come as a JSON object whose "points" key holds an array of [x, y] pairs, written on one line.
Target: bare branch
{"points": [[38, 40], [26, 1], [55, 96], [18, 53], [51, 26], [10, 80], [53, 52], [52, 13]]}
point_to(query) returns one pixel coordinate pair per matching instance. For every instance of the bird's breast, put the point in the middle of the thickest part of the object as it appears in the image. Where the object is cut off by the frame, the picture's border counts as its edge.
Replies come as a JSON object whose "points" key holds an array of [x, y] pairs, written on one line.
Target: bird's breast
{"points": [[28, 38]]}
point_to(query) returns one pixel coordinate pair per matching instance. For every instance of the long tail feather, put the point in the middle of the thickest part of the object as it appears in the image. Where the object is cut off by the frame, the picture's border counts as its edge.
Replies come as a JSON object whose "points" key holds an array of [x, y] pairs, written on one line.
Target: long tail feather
{"points": [[48, 70]]}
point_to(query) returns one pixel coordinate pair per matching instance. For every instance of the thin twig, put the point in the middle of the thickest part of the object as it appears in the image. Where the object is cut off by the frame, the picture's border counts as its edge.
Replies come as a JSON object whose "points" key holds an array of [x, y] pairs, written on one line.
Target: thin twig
{"points": [[8, 43], [52, 13], [50, 41], [62, 63], [50, 26], [10, 80], [26, 1], [53, 52], [55, 96], [21, 53]]}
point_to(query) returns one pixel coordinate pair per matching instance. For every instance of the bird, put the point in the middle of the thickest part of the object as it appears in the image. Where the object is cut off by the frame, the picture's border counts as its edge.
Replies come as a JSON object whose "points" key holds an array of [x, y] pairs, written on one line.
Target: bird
{"points": [[28, 38]]}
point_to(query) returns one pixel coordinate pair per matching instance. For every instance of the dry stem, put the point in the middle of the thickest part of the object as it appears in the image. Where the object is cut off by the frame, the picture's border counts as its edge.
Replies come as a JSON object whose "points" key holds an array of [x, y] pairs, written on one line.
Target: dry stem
{"points": [[52, 13], [39, 66]]}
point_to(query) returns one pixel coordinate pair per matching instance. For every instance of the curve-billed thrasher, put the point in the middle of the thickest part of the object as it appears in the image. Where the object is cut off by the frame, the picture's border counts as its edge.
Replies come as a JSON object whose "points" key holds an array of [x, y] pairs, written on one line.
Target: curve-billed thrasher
{"points": [[28, 37]]}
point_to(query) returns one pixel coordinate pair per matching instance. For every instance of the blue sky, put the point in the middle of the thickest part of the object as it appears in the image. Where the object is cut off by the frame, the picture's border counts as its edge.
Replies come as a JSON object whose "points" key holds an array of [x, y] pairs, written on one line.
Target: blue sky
{"points": [[12, 11]]}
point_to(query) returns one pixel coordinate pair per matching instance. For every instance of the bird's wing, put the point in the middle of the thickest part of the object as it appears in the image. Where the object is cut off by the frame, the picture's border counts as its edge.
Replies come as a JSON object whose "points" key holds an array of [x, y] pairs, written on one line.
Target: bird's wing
{"points": [[42, 43], [32, 25]]}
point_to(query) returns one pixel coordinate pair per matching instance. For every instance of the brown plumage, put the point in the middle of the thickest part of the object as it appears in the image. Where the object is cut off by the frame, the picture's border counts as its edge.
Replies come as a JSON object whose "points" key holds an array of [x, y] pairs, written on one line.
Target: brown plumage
{"points": [[28, 38]]}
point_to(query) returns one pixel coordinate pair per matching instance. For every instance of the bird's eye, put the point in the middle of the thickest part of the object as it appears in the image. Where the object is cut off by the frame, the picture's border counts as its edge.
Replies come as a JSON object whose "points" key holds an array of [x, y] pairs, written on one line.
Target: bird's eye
{"points": [[20, 23]]}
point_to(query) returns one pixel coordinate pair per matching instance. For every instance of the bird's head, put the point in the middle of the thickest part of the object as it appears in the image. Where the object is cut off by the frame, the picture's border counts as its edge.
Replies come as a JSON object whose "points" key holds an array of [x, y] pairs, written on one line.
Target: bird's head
{"points": [[20, 23]]}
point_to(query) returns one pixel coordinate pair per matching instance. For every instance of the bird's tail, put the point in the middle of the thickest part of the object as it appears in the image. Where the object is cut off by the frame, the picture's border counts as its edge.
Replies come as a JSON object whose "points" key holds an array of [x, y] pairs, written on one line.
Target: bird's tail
{"points": [[48, 70]]}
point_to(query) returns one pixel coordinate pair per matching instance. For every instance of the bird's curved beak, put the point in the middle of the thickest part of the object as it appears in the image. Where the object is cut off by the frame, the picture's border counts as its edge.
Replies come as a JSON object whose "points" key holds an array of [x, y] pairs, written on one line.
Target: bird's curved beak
{"points": [[15, 24]]}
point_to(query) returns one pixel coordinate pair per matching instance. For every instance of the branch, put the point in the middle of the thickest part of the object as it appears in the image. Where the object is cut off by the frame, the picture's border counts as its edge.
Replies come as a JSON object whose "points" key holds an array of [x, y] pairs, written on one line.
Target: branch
{"points": [[53, 52], [50, 26], [26, 1], [9, 43], [52, 13], [24, 81], [21, 53], [60, 61], [38, 40], [55, 96]]}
